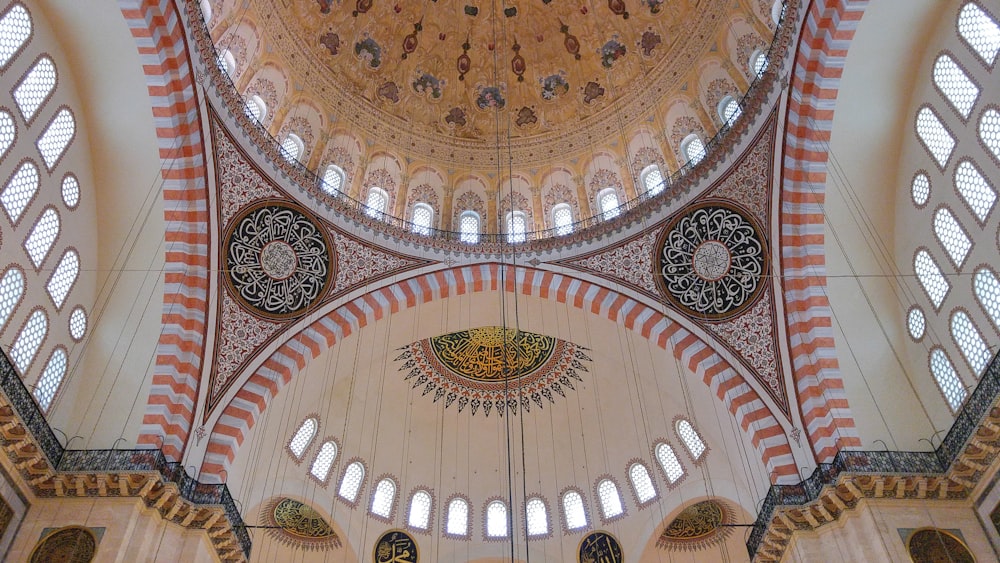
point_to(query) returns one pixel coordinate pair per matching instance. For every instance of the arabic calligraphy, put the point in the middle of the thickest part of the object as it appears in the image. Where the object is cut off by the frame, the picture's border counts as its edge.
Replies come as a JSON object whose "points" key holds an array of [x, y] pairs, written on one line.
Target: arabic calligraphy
{"points": [[395, 546], [493, 353], [600, 547], [695, 521], [301, 519]]}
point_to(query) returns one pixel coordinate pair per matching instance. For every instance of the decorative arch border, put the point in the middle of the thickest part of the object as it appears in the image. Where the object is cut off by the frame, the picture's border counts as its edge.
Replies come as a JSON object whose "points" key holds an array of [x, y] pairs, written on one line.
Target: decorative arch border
{"points": [[158, 31], [827, 31], [739, 398]]}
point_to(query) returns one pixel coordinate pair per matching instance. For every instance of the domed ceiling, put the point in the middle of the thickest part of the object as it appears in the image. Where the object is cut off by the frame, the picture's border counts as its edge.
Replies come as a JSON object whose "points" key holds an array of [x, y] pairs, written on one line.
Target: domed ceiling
{"points": [[565, 74]]}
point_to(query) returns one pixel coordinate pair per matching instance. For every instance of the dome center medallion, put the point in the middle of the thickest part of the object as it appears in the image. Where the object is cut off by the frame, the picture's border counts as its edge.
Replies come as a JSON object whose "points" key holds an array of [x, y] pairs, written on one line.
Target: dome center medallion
{"points": [[711, 260], [277, 259]]}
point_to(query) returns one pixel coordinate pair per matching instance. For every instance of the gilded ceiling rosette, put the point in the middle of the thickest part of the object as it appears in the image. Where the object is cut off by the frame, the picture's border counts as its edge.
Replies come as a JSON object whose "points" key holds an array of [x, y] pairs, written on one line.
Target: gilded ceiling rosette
{"points": [[493, 367]]}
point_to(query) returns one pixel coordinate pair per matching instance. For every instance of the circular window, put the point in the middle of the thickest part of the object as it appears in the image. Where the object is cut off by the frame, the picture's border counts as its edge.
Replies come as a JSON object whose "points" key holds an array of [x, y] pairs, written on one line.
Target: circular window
{"points": [[921, 189], [916, 323], [78, 323]]}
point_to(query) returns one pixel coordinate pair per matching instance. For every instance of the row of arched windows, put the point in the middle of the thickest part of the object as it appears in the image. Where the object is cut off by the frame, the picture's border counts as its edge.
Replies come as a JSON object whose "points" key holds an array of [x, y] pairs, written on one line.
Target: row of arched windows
{"points": [[955, 229], [30, 192], [496, 525]]}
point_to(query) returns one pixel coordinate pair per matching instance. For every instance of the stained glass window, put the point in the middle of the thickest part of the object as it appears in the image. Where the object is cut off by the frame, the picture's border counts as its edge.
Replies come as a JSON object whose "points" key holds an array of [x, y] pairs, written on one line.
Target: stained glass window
{"points": [[11, 290], [78, 323], [15, 29], [384, 497], [576, 516], [975, 190], [517, 226], [50, 380], [63, 277], [537, 517], [985, 284], [56, 137], [947, 379], [324, 460], [41, 237], [951, 236], [669, 462], [931, 278], [641, 482], [35, 88], [333, 180], [934, 135], [28, 340], [469, 227], [692, 440], [458, 517], [423, 215], [376, 202], [303, 437], [20, 190], [562, 219], [496, 520], [611, 500], [957, 87], [350, 485], [916, 323], [970, 342], [979, 30], [420, 510], [607, 200]]}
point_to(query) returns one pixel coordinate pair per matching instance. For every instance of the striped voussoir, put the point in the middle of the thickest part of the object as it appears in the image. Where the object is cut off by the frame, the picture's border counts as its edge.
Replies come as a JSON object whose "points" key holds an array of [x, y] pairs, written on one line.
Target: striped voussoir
{"points": [[159, 37], [264, 384], [826, 35]]}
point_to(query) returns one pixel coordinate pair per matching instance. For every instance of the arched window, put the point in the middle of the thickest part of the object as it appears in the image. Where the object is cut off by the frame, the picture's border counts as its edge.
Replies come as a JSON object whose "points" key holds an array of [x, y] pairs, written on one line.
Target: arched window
{"points": [[517, 226], [28, 340], [51, 378], [777, 10], [642, 483], [303, 437], [496, 520], [652, 179], [692, 440], [11, 290], [422, 218], [35, 87], [384, 498], [420, 510], [333, 180], [292, 147], [468, 226], [53, 142], [693, 148], [758, 62], [458, 518], [989, 130], [668, 462], [573, 511], [975, 190], [970, 342], [71, 191], [562, 219], [8, 132], [77, 323], [15, 29], [41, 237], [350, 485], [611, 500], [931, 278], [960, 91], [226, 62], [324, 461], [729, 110], [920, 189], [256, 108], [63, 277], [985, 284], [206, 10], [947, 379], [19, 191], [537, 517], [607, 201], [951, 236], [979, 30], [934, 136], [916, 323], [376, 202]]}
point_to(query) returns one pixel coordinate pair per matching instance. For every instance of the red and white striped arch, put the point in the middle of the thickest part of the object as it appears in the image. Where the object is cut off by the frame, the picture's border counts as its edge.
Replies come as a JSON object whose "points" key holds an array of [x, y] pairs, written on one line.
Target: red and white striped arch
{"points": [[259, 390], [159, 37], [826, 34]]}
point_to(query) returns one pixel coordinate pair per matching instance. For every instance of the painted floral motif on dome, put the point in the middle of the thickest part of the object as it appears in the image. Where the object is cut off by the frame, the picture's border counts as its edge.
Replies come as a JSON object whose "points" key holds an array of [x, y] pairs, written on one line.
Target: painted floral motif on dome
{"points": [[646, 156], [266, 90], [72, 544], [520, 203], [428, 85], [368, 51], [560, 193], [357, 263], [468, 201], [395, 546], [554, 85], [278, 260], [423, 193], [487, 367], [238, 182], [456, 117], [331, 41], [342, 158], [601, 179], [931, 545], [711, 261], [745, 46], [654, 5], [490, 97], [388, 91], [526, 117], [648, 43], [242, 333], [684, 126], [718, 89], [749, 182], [592, 91], [299, 525], [598, 547], [698, 526], [631, 263], [611, 52]]}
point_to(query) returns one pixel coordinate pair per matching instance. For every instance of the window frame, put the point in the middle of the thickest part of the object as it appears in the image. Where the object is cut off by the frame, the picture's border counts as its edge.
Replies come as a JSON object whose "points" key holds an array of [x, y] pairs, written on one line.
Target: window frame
{"points": [[463, 235], [941, 167], [977, 333], [298, 459], [69, 142], [563, 515], [30, 120], [548, 518], [512, 236], [671, 484], [508, 520], [300, 146], [41, 342], [393, 500], [697, 461], [608, 478], [723, 105], [417, 228], [562, 230], [610, 213], [31, 231], [261, 105], [72, 284], [59, 383], [5, 323], [937, 382], [975, 52], [961, 196], [649, 169], [430, 510], [936, 307], [639, 503], [332, 168], [446, 517], [17, 134], [370, 210], [27, 40], [691, 161], [361, 485], [16, 223], [325, 481], [946, 209], [946, 53]]}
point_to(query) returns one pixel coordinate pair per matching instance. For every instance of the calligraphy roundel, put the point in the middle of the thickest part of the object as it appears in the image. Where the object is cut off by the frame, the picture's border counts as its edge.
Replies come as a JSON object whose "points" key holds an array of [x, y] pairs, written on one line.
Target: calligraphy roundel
{"points": [[395, 546], [278, 259], [711, 261], [598, 547]]}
